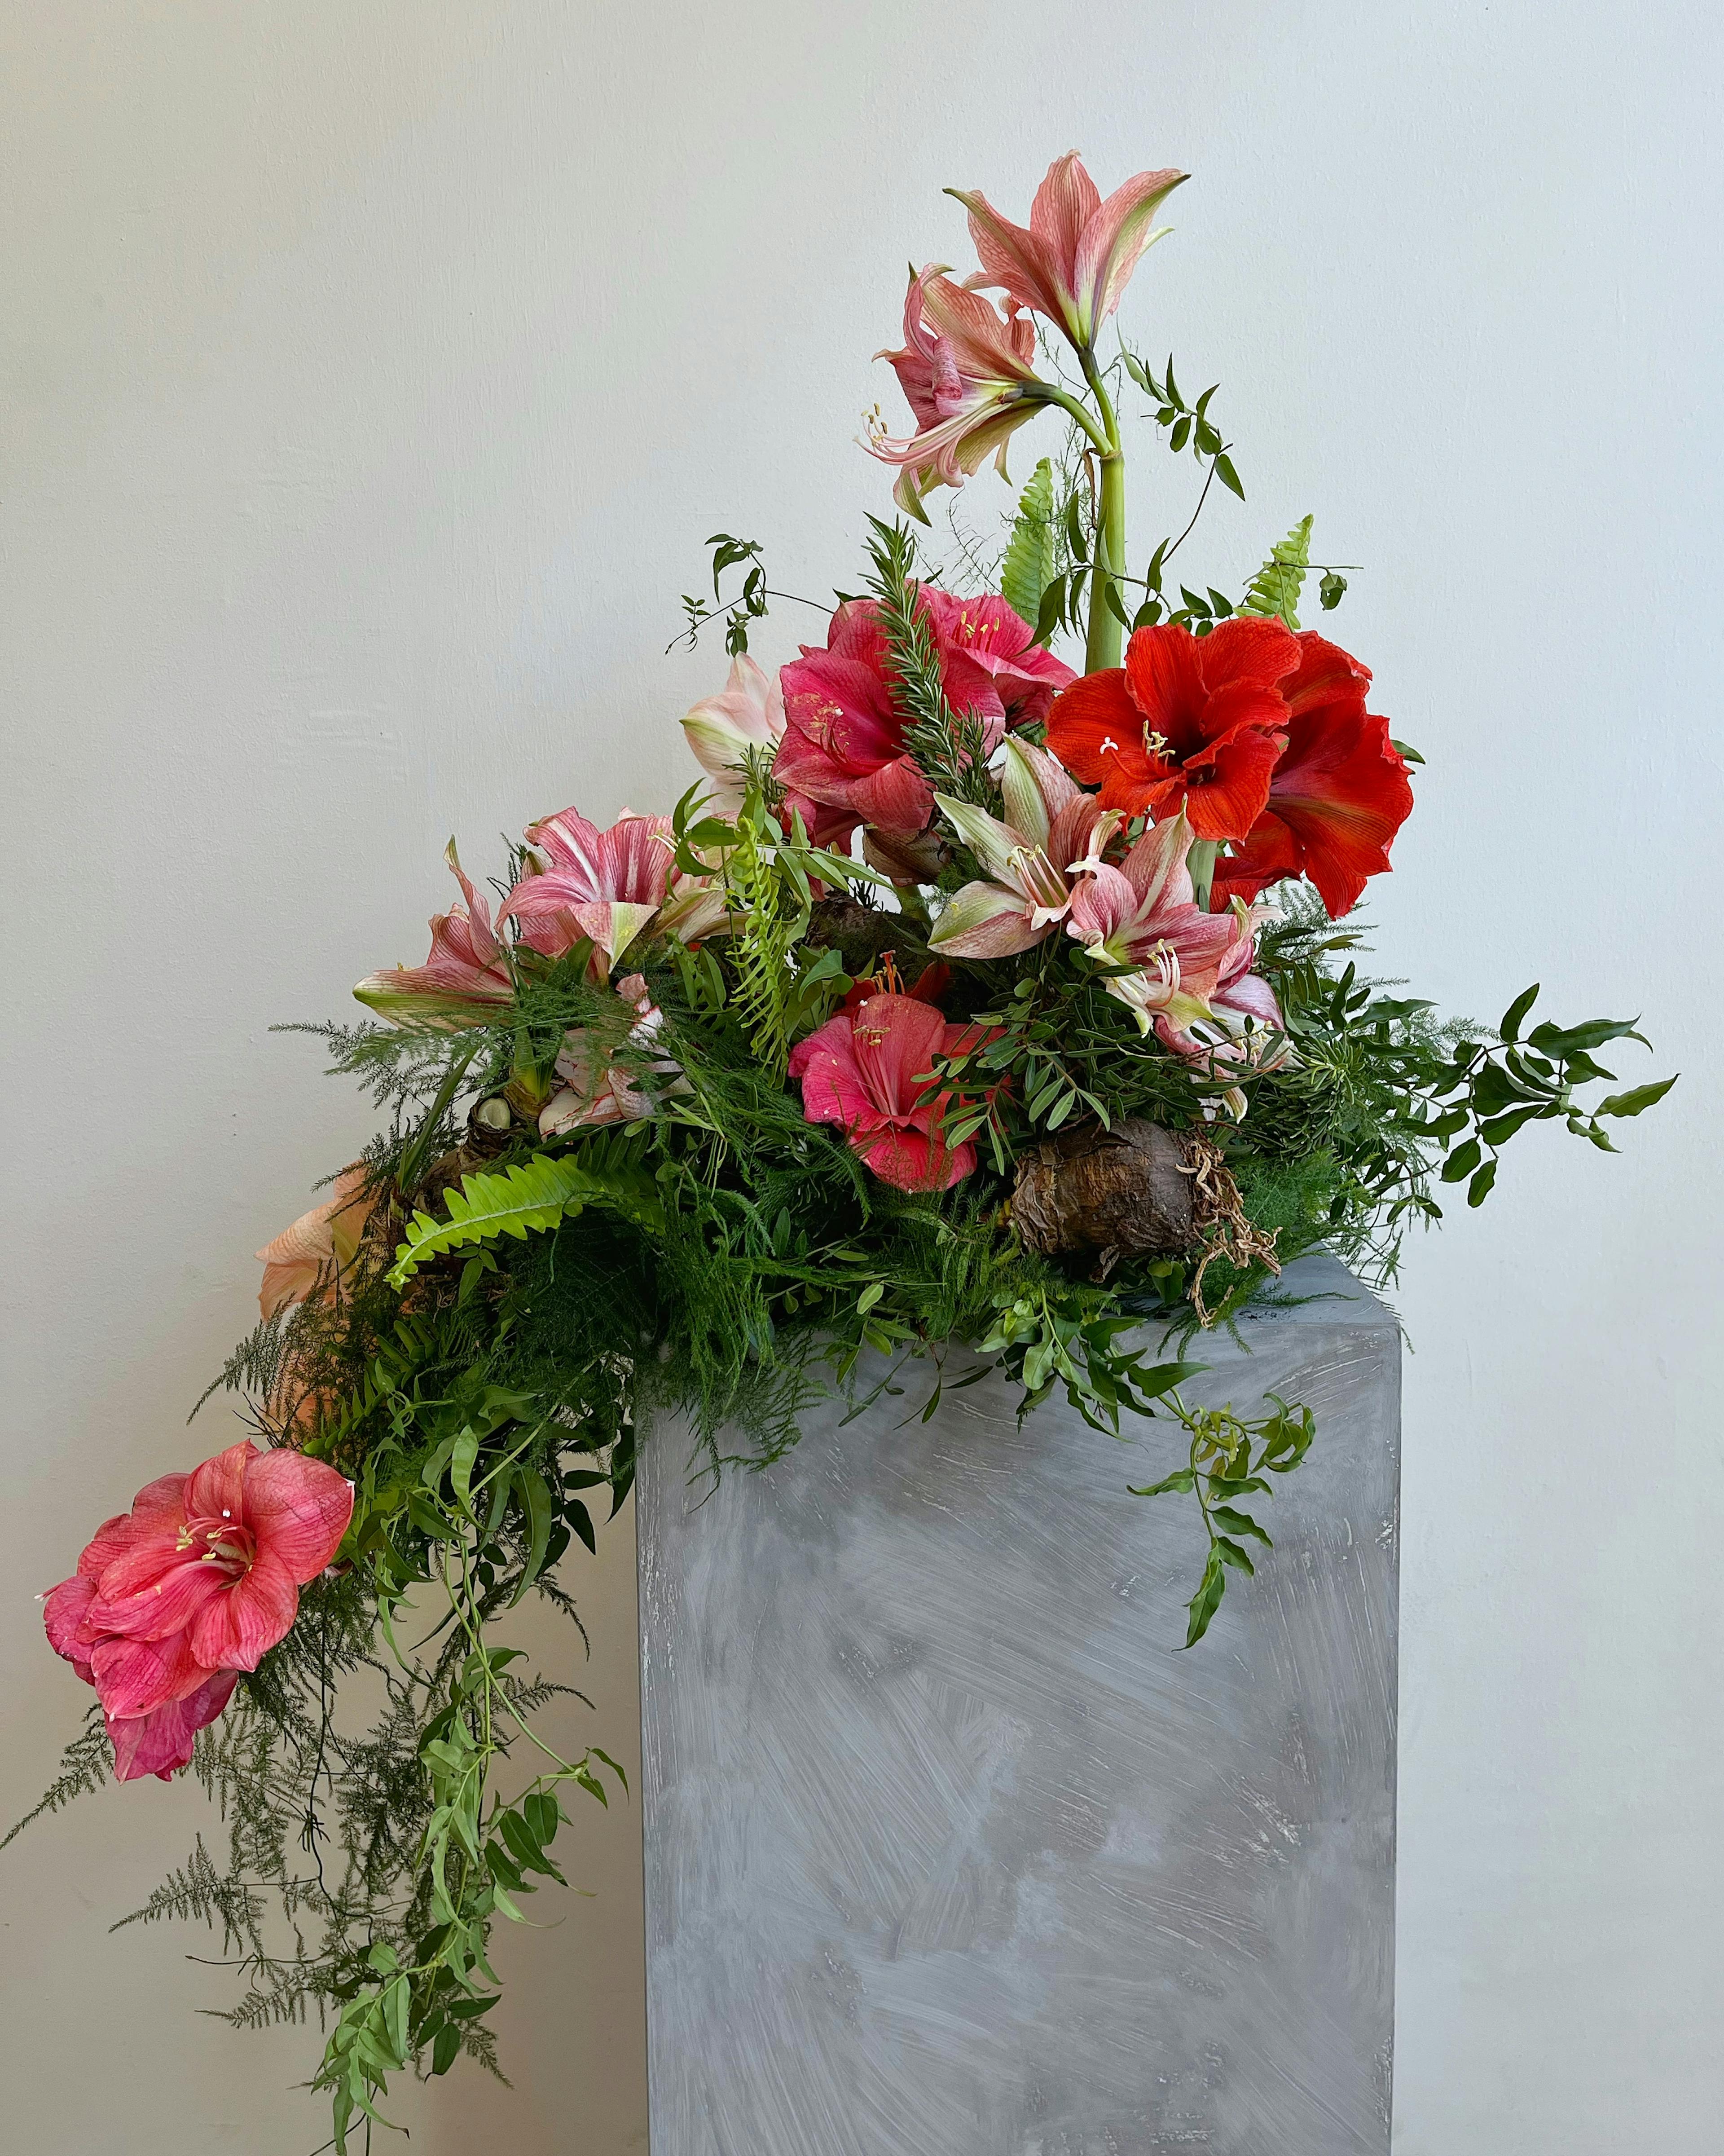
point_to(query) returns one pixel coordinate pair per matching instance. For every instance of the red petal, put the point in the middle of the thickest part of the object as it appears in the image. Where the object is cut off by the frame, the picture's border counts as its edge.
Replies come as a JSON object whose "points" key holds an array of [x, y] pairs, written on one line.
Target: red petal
{"points": [[1164, 670], [1250, 647], [63, 1611], [158, 1742], [896, 1039], [896, 798], [238, 1629], [298, 1510], [1341, 792], [1268, 854], [1229, 783], [1326, 675], [135, 1676], [908, 1161], [1092, 712], [143, 1598]]}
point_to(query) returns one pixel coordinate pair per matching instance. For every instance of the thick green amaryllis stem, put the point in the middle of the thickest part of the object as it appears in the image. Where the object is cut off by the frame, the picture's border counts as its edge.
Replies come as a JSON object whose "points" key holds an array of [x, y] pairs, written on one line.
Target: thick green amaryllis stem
{"points": [[1105, 638]]}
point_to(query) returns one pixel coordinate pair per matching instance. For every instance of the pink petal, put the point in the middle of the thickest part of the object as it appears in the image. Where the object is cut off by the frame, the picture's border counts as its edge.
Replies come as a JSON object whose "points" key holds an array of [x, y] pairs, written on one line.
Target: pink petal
{"points": [[298, 1510], [135, 1676], [143, 1596], [159, 1742], [1113, 243], [983, 920], [1065, 203], [64, 1609], [216, 1490], [896, 799], [908, 1161], [238, 1629]]}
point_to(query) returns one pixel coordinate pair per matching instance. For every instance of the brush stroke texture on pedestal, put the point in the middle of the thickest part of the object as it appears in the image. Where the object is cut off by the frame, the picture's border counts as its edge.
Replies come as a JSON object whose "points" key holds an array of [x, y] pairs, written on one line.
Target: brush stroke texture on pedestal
{"points": [[949, 1853]]}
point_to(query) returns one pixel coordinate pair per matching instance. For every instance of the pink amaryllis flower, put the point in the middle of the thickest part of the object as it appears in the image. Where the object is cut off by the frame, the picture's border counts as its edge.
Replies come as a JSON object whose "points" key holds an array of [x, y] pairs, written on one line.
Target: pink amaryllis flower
{"points": [[988, 654], [309, 1257], [173, 1600], [1143, 916], [464, 980], [869, 1070], [1053, 831], [744, 720], [596, 1089], [1076, 260], [965, 368], [843, 749], [1243, 1031], [602, 886]]}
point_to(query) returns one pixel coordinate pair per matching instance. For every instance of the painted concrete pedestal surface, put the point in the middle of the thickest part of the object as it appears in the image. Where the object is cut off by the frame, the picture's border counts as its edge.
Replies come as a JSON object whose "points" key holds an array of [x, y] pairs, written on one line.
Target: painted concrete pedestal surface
{"points": [[950, 1853]]}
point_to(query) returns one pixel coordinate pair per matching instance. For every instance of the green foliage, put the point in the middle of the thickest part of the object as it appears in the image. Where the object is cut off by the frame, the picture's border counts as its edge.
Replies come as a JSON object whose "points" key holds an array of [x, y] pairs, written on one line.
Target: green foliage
{"points": [[950, 746], [529, 1197], [1032, 554], [1228, 1458], [1275, 589]]}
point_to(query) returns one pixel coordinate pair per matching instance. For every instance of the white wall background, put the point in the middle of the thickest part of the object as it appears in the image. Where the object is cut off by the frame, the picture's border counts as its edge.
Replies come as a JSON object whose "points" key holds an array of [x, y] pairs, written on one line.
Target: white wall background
{"points": [[370, 373]]}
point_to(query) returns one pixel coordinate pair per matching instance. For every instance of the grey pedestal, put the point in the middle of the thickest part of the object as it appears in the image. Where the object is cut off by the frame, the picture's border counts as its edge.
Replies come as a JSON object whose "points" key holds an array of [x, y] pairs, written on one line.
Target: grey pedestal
{"points": [[949, 1853]]}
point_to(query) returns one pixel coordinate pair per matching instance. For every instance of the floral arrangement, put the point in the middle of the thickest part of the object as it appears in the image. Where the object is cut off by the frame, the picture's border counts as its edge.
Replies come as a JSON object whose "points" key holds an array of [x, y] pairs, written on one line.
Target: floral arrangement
{"points": [[973, 1010]]}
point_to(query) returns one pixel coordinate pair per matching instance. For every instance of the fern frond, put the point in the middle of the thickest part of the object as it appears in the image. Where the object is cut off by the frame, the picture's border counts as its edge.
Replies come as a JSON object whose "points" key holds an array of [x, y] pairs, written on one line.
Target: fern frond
{"points": [[200, 1893], [1030, 553], [1275, 589], [528, 1199]]}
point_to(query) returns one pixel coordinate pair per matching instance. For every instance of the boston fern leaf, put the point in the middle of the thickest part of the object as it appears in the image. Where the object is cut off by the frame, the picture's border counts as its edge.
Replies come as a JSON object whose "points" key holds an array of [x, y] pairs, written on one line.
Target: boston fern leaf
{"points": [[1029, 562], [528, 1199], [1275, 587]]}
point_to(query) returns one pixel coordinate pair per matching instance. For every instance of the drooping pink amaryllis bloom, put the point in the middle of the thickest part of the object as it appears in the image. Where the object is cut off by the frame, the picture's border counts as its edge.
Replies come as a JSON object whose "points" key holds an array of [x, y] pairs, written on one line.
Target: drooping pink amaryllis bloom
{"points": [[965, 368], [1074, 261], [1143, 915], [604, 886], [1338, 795], [1054, 832], [172, 1601], [746, 718], [869, 1070], [464, 980], [597, 1090], [309, 1257]]}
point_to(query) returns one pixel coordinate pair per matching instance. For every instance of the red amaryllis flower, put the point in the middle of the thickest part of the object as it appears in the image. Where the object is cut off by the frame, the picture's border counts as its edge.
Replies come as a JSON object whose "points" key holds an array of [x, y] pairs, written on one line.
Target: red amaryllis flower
{"points": [[1076, 258], [1188, 721], [172, 1600], [964, 367], [1338, 795], [868, 1070]]}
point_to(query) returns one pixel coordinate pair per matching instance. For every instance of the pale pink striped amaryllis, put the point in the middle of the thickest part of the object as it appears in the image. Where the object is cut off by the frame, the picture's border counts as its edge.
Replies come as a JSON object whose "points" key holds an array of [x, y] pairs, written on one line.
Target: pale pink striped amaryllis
{"points": [[1052, 836], [174, 1600], [965, 366], [600, 886], [1075, 258], [464, 982], [1143, 916]]}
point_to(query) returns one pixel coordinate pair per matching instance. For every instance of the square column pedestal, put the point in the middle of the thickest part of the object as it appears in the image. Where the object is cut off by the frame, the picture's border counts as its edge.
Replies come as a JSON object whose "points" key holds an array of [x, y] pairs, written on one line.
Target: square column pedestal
{"points": [[949, 1852]]}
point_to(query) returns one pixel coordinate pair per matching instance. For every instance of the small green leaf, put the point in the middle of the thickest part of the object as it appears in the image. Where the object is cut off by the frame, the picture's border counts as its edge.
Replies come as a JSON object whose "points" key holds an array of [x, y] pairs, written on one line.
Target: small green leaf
{"points": [[1461, 1163], [1238, 1523], [1510, 1027], [1479, 1189], [1636, 1100], [1227, 476], [869, 1295]]}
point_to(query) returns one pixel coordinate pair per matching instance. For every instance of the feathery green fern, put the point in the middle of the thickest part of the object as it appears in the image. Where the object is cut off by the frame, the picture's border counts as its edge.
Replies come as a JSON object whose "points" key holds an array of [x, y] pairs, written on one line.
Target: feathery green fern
{"points": [[528, 1199], [1032, 552], [1275, 589]]}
